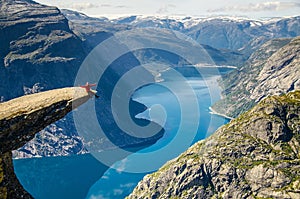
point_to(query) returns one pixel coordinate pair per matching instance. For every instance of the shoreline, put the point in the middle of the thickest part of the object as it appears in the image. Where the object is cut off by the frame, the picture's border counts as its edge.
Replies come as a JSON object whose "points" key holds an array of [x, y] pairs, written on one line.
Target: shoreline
{"points": [[213, 112], [211, 66]]}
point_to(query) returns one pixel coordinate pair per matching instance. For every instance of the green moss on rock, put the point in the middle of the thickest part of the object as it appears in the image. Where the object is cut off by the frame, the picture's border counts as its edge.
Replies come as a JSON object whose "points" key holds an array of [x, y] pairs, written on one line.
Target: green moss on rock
{"points": [[255, 155], [3, 193]]}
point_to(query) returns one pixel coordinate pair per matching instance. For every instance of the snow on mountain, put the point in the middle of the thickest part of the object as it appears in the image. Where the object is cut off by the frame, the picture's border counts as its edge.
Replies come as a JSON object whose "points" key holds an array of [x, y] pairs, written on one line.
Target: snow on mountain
{"points": [[221, 32]]}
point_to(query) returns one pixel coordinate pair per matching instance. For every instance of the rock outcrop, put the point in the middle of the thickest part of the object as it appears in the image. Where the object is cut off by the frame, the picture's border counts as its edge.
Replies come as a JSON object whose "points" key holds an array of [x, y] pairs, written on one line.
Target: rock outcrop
{"points": [[39, 45], [39, 51], [256, 155], [273, 69], [22, 118], [36, 43]]}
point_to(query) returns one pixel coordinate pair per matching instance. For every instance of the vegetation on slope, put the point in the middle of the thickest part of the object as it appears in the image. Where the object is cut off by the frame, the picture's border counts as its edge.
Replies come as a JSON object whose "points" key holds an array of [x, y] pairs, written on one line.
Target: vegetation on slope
{"points": [[256, 155], [271, 70]]}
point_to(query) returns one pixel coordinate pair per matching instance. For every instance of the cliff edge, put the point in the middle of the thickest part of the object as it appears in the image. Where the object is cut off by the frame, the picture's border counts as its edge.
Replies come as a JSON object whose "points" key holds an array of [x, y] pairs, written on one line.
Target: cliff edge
{"points": [[256, 155], [22, 118], [272, 70]]}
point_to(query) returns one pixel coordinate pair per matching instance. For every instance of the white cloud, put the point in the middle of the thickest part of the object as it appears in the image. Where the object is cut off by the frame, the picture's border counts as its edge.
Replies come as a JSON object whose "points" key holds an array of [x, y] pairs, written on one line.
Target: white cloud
{"points": [[113, 6], [106, 5], [165, 8], [87, 5], [121, 6], [82, 6], [258, 7]]}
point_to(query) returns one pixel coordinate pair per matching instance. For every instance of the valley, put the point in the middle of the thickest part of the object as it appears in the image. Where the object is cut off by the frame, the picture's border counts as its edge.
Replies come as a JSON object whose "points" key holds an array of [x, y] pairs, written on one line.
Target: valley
{"points": [[187, 107]]}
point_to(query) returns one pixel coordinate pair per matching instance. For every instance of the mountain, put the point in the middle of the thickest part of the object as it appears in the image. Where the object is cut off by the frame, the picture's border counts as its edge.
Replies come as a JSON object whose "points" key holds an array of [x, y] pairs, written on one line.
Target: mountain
{"points": [[95, 30], [228, 40], [42, 48], [242, 34], [23, 117], [40, 52], [272, 70], [36, 43], [92, 31], [57, 139], [233, 33], [254, 156]]}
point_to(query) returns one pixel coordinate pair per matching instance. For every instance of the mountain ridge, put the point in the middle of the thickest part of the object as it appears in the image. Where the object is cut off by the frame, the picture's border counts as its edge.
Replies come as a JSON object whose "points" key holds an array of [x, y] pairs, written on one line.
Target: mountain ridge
{"points": [[222, 32], [254, 156], [271, 70], [42, 47], [224, 37], [40, 52]]}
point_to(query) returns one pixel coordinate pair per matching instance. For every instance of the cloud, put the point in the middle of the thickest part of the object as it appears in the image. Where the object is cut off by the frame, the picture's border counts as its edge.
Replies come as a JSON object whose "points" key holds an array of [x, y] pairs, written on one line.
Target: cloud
{"points": [[258, 7], [165, 8], [113, 6], [121, 6], [82, 6], [105, 5], [85, 6]]}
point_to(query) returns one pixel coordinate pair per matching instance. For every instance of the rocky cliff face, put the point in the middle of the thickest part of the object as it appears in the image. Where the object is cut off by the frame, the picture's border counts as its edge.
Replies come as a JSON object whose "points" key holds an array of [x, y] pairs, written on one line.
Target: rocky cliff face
{"points": [[38, 52], [39, 45], [54, 140], [271, 70], [21, 119], [95, 30], [9, 184], [91, 30], [33, 113], [36, 43], [254, 156], [234, 33], [244, 35]]}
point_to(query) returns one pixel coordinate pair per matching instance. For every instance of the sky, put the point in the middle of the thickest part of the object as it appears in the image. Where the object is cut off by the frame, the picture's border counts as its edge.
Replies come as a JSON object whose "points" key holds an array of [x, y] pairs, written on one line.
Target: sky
{"points": [[257, 9]]}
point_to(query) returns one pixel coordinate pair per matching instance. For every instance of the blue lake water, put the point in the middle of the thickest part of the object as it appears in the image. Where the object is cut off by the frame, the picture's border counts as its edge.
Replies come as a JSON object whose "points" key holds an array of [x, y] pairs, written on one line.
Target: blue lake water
{"points": [[85, 177]]}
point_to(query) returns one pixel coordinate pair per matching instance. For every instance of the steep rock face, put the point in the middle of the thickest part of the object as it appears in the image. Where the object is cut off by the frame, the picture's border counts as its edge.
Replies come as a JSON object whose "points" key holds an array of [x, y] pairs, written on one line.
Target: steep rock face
{"points": [[281, 73], [236, 34], [21, 119], [38, 49], [9, 184], [54, 140], [254, 156], [242, 34], [95, 30], [36, 42], [35, 112], [91, 30], [228, 40], [271, 70]]}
